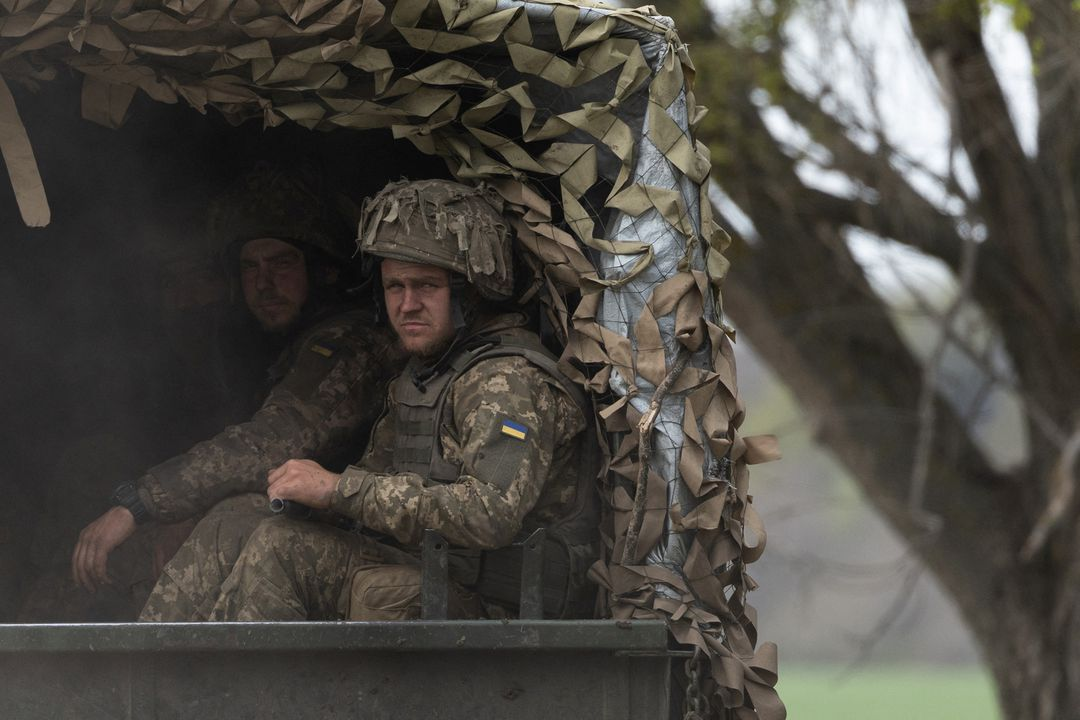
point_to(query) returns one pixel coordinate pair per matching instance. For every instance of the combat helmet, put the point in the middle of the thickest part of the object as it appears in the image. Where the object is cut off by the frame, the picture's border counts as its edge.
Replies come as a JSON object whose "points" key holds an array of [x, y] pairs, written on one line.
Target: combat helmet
{"points": [[280, 202], [446, 224]]}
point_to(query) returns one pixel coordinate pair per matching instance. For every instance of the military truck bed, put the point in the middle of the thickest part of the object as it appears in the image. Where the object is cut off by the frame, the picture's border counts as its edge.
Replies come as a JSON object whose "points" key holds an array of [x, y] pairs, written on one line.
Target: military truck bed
{"points": [[446, 670]]}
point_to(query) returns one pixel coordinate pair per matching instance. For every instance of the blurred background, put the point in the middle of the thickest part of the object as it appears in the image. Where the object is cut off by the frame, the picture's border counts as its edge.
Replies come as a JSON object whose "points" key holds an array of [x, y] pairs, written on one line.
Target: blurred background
{"points": [[898, 179], [864, 629]]}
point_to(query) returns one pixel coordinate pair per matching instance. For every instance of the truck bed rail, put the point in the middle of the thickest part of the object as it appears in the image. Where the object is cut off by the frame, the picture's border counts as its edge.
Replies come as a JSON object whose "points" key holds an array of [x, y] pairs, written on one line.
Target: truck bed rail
{"points": [[427, 669]]}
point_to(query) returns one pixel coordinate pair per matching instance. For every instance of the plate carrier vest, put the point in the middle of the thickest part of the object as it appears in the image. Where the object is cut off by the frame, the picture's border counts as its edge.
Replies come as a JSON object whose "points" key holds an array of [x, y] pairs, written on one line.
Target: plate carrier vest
{"points": [[572, 543]]}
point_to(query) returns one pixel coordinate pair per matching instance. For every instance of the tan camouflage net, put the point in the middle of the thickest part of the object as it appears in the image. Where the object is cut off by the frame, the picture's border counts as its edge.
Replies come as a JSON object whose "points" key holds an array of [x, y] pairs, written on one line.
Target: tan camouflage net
{"points": [[590, 105]]}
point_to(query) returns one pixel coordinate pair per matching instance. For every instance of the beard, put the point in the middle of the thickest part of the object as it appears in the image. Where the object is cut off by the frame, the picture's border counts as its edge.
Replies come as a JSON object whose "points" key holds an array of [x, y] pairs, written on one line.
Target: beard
{"points": [[425, 349]]}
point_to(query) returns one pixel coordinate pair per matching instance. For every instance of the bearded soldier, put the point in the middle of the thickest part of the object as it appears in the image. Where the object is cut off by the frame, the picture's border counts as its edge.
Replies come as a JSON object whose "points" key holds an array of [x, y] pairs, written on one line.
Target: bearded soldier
{"points": [[290, 255], [482, 440]]}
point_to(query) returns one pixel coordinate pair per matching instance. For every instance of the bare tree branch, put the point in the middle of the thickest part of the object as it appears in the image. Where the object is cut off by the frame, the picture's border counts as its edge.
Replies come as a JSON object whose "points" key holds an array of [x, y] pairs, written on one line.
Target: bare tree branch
{"points": [[927, 394], [1062, 487], [901, 212]]}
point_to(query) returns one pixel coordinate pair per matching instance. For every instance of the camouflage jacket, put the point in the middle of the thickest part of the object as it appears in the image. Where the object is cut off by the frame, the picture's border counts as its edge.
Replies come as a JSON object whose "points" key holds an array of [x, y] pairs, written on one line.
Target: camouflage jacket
{"points": [[333, 378], [486, 506]]}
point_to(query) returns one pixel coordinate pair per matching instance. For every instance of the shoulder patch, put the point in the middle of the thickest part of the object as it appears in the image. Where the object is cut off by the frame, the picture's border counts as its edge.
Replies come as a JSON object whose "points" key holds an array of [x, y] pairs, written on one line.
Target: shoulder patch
{"points": [[323, 349], [514, 430]]}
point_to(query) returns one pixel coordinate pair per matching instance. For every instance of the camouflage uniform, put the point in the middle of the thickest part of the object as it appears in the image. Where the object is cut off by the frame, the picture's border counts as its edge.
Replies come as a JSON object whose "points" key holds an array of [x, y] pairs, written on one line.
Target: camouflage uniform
{"points": [[295, 570], [322, 407], [323, 401], [320, 399], [509, 458], [505, 483]]}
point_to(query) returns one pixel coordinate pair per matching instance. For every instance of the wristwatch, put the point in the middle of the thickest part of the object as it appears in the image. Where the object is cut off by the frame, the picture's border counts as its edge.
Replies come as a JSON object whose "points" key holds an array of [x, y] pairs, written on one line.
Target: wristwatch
{"points": [[127, 496]]}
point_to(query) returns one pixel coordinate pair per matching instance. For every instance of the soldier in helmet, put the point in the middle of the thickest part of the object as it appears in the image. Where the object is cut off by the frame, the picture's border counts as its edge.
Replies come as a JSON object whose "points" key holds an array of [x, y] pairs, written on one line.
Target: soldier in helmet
{"points": [[289, 255], [482, 439]]}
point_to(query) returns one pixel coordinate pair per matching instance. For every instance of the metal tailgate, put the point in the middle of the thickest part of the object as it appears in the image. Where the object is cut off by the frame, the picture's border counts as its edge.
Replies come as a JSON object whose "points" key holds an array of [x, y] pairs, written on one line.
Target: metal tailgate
{"points": [[429, 669]]}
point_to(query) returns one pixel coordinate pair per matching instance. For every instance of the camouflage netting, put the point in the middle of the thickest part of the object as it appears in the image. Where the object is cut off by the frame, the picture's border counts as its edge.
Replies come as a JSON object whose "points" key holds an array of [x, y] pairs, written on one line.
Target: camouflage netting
{"points": [[589, 106]]}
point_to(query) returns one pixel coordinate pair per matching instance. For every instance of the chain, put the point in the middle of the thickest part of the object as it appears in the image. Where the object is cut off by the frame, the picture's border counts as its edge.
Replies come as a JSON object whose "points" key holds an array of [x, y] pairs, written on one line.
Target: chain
{"points": [[696, 703]]}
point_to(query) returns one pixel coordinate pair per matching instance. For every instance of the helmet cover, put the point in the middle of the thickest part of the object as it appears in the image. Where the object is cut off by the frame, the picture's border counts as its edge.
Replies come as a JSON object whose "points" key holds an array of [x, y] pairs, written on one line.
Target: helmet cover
{"points": [[279, 203], [446, 224]]}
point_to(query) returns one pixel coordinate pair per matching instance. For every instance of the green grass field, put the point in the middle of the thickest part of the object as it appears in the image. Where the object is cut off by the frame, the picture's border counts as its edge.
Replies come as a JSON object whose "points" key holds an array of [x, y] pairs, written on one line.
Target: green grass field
{"points": [[890, 693]]}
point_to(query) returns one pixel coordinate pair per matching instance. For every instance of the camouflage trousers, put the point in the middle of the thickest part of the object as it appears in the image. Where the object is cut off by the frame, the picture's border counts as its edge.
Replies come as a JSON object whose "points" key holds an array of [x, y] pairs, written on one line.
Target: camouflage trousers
{"points": [[246, 566], [189, 583]]}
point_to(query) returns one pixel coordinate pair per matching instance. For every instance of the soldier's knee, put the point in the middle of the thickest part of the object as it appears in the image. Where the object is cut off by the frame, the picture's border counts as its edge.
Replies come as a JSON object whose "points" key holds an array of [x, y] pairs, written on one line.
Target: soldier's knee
{"points": [[386, 592], [279, 534]]}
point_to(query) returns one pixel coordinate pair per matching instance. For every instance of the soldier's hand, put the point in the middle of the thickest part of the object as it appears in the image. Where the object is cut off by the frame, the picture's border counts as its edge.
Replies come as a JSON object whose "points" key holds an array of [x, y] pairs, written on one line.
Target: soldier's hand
{"points": [[304, 481], [89, 562]]}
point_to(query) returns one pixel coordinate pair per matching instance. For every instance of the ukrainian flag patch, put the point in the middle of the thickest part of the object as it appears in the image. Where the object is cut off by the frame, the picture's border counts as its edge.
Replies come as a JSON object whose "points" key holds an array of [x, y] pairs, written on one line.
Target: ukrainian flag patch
{"points": [[514, 430]]}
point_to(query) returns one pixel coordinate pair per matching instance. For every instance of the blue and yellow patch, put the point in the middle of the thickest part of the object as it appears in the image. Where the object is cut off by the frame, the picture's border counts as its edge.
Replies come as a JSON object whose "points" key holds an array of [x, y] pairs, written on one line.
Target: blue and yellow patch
{"points": [[323, 350], [514, 430]]}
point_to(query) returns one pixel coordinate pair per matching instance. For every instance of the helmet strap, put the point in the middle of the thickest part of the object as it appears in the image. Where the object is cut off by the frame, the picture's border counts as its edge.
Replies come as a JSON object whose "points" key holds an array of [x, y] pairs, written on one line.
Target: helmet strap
{"points": [[457, 312]]}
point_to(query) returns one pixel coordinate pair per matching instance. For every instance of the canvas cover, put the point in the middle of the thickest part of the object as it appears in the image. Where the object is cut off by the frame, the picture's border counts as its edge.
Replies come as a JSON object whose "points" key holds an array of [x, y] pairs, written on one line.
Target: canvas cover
{"points": [[582, 117]]}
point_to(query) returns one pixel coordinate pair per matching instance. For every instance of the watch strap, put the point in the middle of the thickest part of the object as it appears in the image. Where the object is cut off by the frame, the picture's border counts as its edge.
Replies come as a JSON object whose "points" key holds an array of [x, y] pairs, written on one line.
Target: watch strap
{"points": [[127, 495]]}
